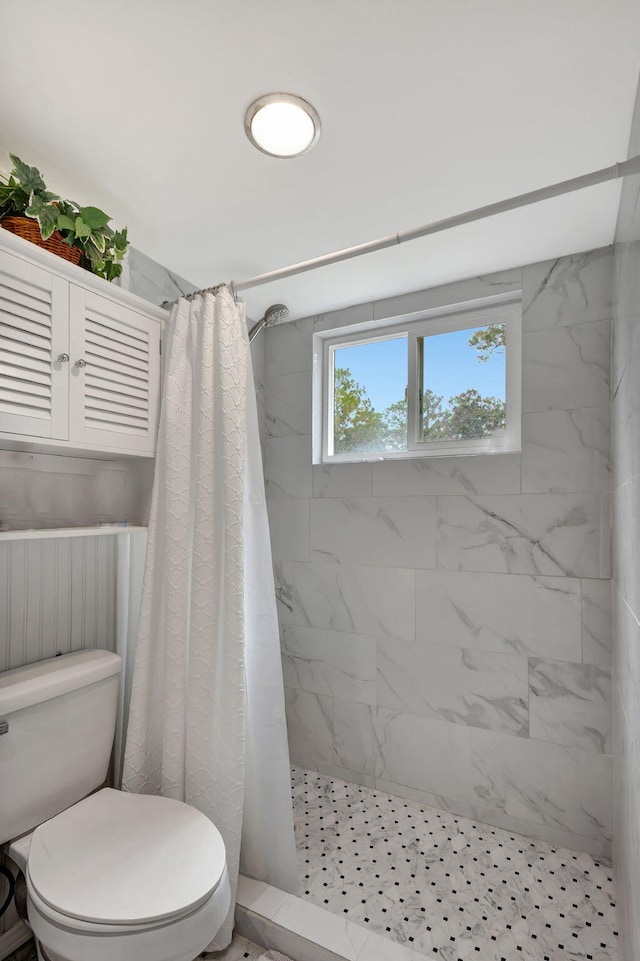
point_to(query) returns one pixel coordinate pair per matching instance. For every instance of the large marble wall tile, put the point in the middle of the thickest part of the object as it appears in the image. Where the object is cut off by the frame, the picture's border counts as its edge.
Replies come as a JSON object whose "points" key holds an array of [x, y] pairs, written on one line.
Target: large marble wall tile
{"points": [[570, 704], [150, 280], [420, 753], [327, 662], [626, 524], [626, 844], [289, 525], [626, 395], [334, 319], [504, 283], [283, 582], [566, 367], [626, 666], [289, 347], [626, 648], [627, 281], [363, 600], [256, 351], [287, 466], [381, 531], [566, 450], [596, 623], [310, 725], [288, 404], [356, 744], [477, 688], [343, 773], [570, 290], [482, 474], [597, 847], [428, 754], [549, 784], [526, 534], [460, 807], [508, 613], [261, 407], [342, 480]]}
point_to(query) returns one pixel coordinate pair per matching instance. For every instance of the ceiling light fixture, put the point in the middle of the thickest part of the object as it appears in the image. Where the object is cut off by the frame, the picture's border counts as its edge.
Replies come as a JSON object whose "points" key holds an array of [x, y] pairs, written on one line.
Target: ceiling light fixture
{"points": [[282, 125]]}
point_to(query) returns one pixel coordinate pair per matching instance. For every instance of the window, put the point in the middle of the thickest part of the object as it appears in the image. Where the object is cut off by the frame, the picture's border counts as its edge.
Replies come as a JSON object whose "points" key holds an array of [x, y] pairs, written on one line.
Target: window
{"points": [[438, 385]]}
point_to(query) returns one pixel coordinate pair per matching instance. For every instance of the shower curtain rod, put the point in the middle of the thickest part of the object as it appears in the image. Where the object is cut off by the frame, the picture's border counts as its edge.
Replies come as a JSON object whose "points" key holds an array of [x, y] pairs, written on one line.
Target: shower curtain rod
{"points": [[615, 172]]}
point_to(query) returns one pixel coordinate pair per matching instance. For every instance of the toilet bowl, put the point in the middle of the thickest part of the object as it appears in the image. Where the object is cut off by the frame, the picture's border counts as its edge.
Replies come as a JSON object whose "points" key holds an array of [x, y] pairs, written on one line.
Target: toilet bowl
{"points": [[110, 876]]}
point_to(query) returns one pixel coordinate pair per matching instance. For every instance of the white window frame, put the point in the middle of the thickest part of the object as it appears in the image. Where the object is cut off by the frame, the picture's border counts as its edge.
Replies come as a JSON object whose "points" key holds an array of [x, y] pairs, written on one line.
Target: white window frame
{"points": [[426, 325]]}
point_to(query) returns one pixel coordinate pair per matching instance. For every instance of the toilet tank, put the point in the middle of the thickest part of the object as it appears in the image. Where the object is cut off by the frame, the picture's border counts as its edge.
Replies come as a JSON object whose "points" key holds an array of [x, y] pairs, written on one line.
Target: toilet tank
{"points": [[60, 717]]}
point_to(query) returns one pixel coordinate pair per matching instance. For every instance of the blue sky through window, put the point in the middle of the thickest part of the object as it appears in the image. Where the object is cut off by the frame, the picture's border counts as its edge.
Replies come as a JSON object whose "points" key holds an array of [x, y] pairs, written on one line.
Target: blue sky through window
{"points": [[451, 366]]}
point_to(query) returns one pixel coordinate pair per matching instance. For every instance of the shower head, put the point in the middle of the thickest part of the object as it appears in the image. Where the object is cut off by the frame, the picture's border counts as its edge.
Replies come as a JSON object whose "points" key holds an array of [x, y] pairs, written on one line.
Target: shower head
{"points": [[275, 314], [272, 315]]}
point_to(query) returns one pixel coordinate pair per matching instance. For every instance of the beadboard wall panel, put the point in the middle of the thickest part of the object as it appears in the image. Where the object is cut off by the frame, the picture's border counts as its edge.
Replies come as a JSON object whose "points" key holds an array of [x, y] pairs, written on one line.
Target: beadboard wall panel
{"points": [[56, 596]]}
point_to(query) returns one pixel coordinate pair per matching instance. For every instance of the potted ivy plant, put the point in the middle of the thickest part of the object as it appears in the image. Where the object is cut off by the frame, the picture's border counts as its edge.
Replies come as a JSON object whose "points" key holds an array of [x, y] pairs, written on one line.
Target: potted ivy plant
{"points": [[79, 234]]}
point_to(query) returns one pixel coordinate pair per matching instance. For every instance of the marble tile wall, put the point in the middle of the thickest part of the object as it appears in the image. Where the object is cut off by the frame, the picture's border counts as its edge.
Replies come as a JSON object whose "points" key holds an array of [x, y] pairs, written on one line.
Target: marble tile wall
{"points": [[625, 418], [151, 280], [446, 622]]}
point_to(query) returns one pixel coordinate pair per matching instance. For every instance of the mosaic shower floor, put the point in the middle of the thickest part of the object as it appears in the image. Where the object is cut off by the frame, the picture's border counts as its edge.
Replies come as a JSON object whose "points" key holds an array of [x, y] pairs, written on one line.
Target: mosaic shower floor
{"points": [[447, 886]]}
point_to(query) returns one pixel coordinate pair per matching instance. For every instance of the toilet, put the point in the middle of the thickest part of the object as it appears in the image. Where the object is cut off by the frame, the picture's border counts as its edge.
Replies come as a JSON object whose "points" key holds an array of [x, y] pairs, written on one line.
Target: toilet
{"points": [[110, 876]]}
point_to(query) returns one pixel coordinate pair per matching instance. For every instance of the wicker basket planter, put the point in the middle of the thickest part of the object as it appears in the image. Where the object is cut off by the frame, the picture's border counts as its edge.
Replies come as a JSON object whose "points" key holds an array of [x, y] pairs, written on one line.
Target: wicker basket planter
{"points": [[29, 230]]}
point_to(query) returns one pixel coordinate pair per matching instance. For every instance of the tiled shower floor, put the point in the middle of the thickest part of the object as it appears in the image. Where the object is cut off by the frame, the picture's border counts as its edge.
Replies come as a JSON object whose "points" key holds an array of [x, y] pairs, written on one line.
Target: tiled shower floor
{"points": [[447, 886]]}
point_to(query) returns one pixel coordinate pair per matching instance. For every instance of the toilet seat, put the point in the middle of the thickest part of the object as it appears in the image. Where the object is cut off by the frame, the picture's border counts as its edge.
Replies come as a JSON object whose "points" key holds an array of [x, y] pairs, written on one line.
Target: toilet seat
{"points": [[181, 939], [121, 861]]}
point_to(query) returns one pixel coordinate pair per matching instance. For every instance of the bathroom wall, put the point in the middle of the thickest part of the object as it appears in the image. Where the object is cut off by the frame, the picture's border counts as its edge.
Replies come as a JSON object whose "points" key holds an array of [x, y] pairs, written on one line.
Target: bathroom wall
{"points": [[56, 596], [626, 554], [446, 622], [50, 490], [150, 280]]}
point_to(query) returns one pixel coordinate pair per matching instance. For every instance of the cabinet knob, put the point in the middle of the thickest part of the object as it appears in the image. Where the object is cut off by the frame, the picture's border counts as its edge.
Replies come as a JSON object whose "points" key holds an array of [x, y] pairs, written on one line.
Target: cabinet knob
{"points": [[62, 358], [80, 363]]}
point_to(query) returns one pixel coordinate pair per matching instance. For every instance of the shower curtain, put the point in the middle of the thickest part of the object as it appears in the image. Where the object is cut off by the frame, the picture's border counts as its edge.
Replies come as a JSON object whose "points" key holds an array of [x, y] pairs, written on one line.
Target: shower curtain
{"points": [[206, 717]]}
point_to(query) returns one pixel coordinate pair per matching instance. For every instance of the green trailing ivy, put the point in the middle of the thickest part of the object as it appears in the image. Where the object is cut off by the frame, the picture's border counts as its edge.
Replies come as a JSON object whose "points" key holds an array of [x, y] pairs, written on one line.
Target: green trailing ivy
{"points": [[24, 194]]}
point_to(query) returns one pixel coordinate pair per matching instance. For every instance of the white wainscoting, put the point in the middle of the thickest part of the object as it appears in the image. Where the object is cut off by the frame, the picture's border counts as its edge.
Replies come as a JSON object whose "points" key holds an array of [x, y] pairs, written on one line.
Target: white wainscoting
{"points": [[56, 596]]}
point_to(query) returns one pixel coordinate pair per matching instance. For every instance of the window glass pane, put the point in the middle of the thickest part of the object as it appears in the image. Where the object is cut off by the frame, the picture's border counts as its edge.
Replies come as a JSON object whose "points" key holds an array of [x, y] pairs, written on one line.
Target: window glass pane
{"points": [[463, 384], [370, 406]]}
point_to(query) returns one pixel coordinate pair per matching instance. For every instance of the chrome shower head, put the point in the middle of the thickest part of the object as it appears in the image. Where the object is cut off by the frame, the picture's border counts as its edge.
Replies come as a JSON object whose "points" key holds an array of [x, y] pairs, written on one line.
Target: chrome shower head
{"points": [[275, 314], [272, 315]]}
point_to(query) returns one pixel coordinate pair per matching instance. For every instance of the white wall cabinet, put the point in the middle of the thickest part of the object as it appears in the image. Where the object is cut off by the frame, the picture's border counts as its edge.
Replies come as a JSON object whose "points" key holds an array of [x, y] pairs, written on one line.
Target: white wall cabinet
{"points": [[79, 358]]}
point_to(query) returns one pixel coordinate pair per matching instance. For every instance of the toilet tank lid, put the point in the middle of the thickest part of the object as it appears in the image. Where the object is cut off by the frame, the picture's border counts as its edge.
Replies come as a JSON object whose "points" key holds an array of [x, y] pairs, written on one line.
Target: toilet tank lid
{"points": [[35, 683]]}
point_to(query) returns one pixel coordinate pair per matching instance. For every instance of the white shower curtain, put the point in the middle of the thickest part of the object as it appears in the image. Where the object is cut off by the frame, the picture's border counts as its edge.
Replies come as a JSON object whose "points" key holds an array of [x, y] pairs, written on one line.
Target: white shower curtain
{"points": [[206, 718]]}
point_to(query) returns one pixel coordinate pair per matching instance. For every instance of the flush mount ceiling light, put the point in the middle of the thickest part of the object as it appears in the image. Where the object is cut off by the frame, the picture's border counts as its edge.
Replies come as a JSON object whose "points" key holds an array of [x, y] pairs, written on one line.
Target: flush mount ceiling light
{"points": [[282, 125]]}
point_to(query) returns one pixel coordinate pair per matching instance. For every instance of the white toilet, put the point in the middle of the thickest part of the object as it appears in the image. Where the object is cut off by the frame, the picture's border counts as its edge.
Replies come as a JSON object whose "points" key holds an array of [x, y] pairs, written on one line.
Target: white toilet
{"points": [[110, 876]]}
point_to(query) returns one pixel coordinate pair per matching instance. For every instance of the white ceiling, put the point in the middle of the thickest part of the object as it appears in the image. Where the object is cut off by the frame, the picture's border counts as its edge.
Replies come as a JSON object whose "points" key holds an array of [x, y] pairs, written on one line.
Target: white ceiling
{"points": [[429, 108]]}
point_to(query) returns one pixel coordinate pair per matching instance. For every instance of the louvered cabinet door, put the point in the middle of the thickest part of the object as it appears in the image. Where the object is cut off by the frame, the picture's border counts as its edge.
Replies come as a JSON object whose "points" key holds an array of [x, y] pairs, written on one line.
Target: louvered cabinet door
{"points": [[114, 375], [34, 332]]}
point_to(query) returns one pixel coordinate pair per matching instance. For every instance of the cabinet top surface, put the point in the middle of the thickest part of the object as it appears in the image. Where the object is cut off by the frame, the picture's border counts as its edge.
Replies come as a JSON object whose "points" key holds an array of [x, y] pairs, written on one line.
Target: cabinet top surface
{"points": [[77, 275]]}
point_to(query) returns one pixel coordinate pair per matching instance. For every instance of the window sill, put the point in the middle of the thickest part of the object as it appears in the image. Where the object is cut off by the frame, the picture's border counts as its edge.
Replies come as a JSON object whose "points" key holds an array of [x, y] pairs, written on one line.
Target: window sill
{"points": [[377, 458]]}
